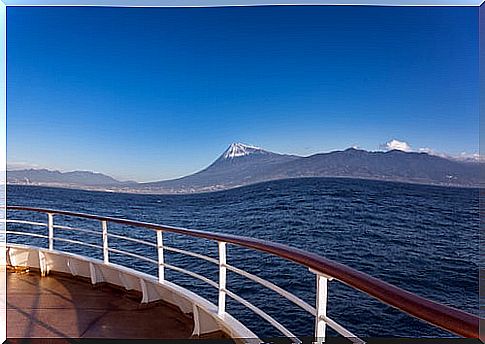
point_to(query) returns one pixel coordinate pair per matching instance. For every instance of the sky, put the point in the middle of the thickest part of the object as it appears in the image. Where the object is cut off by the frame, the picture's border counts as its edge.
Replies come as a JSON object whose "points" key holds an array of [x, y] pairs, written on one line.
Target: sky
{"points": [[156, 93]]}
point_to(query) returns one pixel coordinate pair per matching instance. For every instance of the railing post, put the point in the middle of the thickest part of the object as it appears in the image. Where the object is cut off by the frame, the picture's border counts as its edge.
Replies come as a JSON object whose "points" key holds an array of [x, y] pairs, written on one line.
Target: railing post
{"points": [[222, 278], [104, 227], [161, 263], [50, 226], [321, 308]]}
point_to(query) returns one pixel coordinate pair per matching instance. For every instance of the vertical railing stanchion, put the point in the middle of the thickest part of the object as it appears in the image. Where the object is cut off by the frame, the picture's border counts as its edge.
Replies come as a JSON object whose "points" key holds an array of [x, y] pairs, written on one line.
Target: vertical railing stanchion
{"points": [[321, 307], [50, 226], [161, 262], [222, 278], [104, 226]]}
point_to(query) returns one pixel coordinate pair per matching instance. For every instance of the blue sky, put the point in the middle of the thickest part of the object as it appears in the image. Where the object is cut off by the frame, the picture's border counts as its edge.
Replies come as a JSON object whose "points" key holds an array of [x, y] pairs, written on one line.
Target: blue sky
{"points": [[150, 94]]}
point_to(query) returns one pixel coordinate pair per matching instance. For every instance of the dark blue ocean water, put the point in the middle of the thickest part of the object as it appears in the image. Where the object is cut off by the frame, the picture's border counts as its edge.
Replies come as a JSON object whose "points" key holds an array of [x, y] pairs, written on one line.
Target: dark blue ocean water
{"points": [[424, 239]]}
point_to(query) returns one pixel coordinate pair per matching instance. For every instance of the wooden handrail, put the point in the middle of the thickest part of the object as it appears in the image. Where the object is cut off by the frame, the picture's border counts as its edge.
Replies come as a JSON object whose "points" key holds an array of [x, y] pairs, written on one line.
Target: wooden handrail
{"points": [[446, 317]]}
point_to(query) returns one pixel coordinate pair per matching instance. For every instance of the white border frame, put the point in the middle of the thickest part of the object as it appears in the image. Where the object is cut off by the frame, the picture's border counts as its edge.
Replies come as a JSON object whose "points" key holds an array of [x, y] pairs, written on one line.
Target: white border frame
{"points": [[136, 3], [230, 3], [3, 171]]}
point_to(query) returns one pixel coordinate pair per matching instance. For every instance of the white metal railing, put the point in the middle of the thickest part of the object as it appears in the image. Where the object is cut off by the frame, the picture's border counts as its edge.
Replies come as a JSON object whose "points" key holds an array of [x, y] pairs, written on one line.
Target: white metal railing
{"points": [[318, 312], [439, 315]]}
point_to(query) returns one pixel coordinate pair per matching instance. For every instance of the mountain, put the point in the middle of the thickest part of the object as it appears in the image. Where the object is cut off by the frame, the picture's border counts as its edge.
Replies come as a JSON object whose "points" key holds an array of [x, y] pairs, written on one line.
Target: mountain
{"points": [[69, 179], [394, 165], [239, 165], [242, 164]]}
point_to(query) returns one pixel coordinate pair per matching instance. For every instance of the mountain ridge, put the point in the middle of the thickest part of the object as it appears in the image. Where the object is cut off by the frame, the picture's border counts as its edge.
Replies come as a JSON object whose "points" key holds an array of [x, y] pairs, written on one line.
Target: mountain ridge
{"points": [[241, 164], [76, 178]]}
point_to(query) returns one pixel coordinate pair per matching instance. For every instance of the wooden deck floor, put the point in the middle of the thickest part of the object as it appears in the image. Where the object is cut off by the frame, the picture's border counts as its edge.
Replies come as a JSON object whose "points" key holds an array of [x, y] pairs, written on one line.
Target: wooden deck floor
{"points": [[58, 306]]}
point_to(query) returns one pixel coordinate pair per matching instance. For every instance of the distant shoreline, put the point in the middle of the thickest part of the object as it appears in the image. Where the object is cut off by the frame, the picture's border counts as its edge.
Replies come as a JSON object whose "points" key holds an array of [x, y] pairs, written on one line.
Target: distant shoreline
{"points": [[138, 192]]}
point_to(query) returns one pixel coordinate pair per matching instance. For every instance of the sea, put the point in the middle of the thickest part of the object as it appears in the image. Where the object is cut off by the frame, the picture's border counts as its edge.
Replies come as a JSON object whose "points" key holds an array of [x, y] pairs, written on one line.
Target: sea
{"points": [[422, 238]]}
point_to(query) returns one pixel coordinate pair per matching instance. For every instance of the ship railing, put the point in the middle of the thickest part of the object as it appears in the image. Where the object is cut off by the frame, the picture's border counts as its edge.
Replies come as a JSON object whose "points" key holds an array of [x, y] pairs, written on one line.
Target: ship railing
{"points": [[448, 318]]}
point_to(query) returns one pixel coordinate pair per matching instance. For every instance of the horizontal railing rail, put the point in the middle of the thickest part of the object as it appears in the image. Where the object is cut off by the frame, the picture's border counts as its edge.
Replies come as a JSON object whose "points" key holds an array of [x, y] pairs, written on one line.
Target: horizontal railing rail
{"points": [[446, 317]]}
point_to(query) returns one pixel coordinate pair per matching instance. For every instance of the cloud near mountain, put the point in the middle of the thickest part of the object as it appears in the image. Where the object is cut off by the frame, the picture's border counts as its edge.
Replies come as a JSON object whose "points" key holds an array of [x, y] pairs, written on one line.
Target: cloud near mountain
{"points": [[406, 147], [398, 145]]}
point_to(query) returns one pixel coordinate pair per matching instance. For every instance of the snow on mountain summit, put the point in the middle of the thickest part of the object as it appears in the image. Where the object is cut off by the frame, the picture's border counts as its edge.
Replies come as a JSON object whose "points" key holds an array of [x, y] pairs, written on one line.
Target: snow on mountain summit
{"points": [[240, 149]]}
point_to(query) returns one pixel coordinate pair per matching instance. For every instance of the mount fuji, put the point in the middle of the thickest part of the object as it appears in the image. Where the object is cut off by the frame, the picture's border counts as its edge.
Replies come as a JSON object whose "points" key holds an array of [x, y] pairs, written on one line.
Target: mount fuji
{"points": [[239, 165]]}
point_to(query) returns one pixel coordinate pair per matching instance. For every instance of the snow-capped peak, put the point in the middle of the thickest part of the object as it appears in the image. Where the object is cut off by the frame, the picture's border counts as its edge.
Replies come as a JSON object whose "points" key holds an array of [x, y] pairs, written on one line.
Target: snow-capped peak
{"points": [[239, 149]]}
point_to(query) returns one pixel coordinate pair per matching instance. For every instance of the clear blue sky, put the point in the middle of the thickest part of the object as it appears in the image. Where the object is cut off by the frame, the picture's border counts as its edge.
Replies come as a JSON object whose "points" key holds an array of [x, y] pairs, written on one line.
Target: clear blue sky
{"points": [[149, 94]]}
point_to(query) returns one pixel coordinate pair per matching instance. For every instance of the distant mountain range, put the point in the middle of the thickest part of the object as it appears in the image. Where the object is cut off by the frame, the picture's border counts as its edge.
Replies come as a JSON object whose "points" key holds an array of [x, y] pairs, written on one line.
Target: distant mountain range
{"points": [[56, 178], [242, 165]]}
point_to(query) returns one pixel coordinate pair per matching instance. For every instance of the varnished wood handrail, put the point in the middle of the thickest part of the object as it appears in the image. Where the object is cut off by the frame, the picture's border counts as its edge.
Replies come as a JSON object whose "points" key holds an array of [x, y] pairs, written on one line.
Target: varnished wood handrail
{"points": [[446, 317]]}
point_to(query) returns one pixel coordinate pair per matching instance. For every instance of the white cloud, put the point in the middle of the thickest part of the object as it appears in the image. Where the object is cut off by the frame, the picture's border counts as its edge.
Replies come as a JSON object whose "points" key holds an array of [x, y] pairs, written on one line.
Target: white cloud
{"points": [[426, 150], [463, 156], [470, 157], [20, 165], [398, 145], [431, 151], [406, 147]]}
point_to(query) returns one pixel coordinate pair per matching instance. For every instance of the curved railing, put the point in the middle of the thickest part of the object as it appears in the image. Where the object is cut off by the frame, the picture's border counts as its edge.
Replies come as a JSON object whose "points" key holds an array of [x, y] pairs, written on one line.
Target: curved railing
{"points": [[445, 317]]}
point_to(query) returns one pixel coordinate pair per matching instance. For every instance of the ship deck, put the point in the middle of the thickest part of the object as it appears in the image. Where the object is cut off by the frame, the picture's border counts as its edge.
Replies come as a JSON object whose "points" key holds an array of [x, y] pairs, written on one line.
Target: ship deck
{"points": [[60, 306]]}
